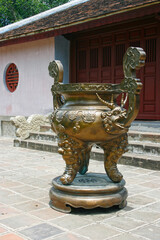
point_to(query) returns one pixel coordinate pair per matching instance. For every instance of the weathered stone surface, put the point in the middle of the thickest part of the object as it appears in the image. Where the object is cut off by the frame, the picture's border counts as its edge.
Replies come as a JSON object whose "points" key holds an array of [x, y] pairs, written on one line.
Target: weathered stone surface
{"points": [[25, 126]]}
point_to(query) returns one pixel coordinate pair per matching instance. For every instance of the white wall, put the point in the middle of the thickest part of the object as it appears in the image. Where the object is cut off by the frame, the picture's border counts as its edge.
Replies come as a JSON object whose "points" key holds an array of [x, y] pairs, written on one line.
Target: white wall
{"points": [[33, 93]]}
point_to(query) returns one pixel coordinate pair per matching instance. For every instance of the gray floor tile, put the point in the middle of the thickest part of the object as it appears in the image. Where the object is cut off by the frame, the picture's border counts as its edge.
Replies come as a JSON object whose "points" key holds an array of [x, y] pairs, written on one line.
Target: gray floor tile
{"points": [[69, 236], [20, 221], [153, 207], [154, 193], [29, 206], [145, 215], [141, 199], [128, 236], [41, 231], [150, 231], [124, 223], [71, 222], [97, 231]]}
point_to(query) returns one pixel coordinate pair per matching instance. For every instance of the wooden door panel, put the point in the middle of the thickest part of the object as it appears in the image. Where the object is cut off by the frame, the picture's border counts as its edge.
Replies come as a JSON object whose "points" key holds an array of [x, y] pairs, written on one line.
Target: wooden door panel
{"points": [[100, 59], [93, 75], [150, 69], [149, 89], [82, 77], [106, 75], [118, 74], [149, 108]]}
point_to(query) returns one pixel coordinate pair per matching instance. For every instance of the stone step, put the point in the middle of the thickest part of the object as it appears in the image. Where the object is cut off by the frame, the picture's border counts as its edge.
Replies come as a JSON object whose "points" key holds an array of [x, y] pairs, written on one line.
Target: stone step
{"points": [[46, 136], [132, 136], [145, 126], [139, 160], [144, 136], [41, 145], [141, 147], [51, 139], [137, 144]]}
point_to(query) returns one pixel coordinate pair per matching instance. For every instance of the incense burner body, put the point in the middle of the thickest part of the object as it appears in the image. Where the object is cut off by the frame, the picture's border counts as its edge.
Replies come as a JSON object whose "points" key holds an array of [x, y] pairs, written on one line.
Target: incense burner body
{"points": [[88, 114], [85, 117]]}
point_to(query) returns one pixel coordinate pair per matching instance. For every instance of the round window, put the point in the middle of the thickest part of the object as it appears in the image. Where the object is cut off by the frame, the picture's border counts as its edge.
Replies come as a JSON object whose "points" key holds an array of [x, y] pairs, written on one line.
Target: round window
{"points": [[12, 77]]}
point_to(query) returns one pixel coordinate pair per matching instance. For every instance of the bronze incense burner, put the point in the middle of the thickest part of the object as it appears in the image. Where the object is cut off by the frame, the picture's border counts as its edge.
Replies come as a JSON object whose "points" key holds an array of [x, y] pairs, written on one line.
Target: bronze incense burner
{"points": [[88, 114]]}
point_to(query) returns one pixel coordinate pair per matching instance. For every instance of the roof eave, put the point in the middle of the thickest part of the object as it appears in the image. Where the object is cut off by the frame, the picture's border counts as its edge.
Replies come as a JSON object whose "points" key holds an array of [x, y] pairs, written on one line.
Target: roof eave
{"points": [[80, 22]]}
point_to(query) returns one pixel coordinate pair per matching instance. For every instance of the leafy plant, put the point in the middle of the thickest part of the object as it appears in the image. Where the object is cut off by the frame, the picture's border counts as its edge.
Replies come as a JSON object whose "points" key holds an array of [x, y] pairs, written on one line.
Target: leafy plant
{"points": [[15, 10]]}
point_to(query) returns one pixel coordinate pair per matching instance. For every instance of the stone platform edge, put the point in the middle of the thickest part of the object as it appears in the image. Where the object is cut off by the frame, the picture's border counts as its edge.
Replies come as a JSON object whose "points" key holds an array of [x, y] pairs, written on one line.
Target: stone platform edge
{"points": [[138, 160]]}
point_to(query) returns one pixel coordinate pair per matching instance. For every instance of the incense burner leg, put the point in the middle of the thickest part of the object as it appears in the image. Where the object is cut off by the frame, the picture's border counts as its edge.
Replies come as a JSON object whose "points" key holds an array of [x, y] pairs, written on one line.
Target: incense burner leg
{"points": [[113, 150], [84, 156], [76, 155]]}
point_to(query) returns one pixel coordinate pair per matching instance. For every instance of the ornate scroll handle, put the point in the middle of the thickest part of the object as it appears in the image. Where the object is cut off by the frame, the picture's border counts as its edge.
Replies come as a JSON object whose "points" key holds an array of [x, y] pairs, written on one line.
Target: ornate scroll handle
{"points": [[56, 71], [133, 60]]}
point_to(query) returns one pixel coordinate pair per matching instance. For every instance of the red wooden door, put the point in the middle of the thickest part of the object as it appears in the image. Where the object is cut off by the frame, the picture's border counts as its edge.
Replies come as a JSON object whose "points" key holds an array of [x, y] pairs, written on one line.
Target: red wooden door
{"points": [[149, 97], [99, 58]]}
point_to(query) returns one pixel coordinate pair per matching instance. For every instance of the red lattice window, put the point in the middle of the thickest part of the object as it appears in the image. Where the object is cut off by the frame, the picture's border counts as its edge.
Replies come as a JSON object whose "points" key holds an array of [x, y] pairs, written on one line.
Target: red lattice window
{"points": [[94, 58], [120, 51], [106, 54], [151, 50], [12, 77]]}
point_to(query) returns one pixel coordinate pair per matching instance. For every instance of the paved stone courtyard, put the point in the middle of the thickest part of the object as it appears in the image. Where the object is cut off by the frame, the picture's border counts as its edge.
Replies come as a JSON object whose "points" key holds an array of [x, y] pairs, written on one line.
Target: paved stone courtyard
{"points": [[25, 180]]}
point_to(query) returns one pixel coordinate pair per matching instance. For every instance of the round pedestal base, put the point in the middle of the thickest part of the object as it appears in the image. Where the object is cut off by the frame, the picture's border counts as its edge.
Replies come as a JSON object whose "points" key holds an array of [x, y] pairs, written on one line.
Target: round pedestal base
{"points": [[87, 191]]}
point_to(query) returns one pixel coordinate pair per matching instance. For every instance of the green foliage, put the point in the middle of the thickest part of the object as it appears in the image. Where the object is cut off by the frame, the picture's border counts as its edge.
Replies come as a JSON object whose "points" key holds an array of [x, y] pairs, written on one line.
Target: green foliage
{"points": [[54, 3], [15, 10]]}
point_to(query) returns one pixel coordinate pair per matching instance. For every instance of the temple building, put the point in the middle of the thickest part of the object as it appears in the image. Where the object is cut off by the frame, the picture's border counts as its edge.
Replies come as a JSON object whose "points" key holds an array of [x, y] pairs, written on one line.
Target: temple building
{"points": [[90, 38]]}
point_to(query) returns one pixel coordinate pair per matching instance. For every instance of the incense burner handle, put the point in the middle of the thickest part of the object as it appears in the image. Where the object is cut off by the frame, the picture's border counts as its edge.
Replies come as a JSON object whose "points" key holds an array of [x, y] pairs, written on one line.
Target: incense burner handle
{"points": [[56, 71], [133, 60]]}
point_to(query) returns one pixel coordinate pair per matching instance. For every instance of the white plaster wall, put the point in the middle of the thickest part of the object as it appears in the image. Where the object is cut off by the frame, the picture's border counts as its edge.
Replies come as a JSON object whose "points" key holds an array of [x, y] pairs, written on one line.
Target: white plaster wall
{"points": [[33, 93]]}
